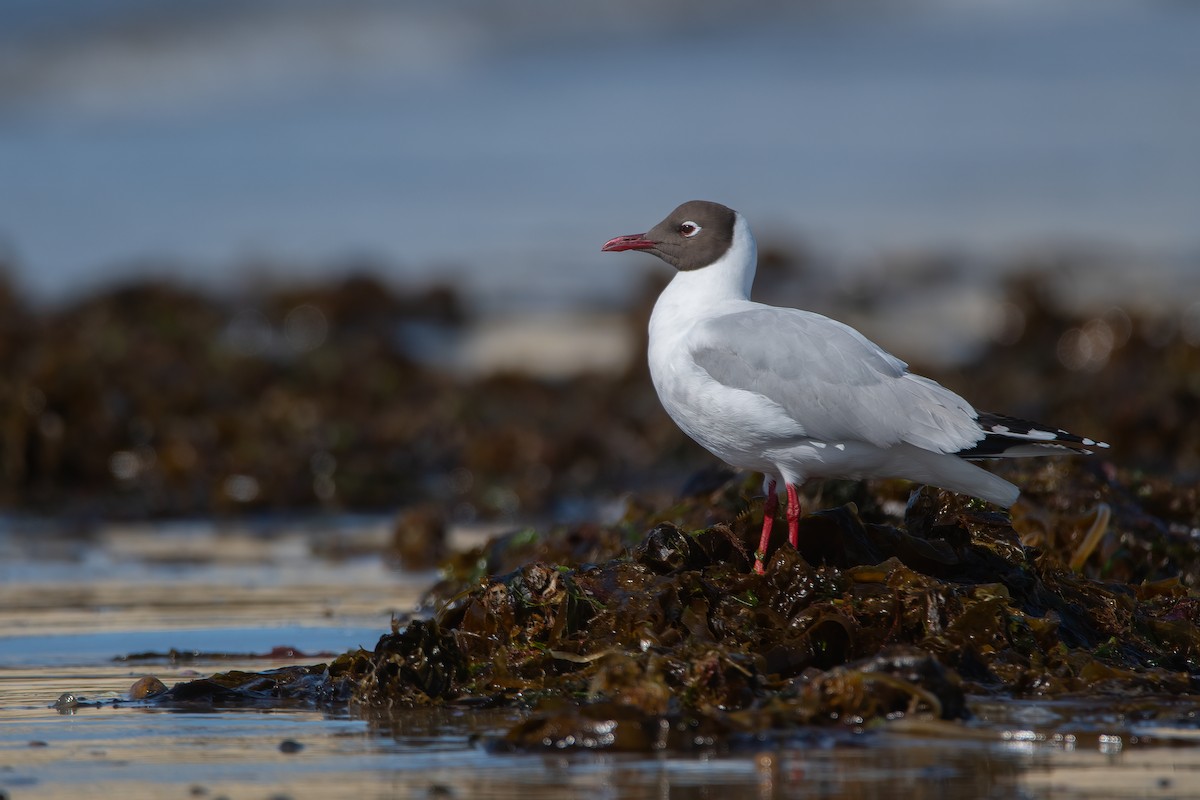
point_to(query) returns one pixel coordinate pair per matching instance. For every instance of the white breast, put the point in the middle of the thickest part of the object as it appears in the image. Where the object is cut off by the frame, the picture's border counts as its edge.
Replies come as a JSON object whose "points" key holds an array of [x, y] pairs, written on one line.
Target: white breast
{"points": [[736, 426]]}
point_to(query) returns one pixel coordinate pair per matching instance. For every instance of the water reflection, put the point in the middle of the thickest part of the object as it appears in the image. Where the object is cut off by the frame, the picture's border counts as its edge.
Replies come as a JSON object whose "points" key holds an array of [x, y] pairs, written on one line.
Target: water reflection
{"points": [[1021, 749], [917, 760]]}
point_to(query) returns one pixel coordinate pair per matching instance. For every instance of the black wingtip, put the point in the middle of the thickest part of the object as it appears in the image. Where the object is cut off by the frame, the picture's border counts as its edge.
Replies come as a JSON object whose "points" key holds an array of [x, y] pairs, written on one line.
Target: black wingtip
{"points": [[1005, 436]]}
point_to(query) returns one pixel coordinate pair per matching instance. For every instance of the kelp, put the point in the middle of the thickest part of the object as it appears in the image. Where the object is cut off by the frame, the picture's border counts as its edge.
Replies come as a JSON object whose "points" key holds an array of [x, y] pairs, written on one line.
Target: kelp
{"points": [[673, 642], [159, 400], [155, 400]]}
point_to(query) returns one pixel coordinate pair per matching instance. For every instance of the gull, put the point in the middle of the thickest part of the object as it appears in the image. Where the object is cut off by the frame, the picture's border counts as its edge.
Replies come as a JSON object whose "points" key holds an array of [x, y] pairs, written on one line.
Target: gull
{"points": [[796, 395]]}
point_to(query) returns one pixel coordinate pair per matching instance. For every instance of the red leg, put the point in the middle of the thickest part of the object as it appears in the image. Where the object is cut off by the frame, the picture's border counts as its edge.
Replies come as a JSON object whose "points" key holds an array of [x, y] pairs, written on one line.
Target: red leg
{"points": [[769, 507], [793, 515]]}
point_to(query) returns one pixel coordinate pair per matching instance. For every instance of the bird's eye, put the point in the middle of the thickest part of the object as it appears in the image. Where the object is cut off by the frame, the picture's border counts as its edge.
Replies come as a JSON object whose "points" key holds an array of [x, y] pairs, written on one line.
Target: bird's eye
{"points": [[688, 229]]}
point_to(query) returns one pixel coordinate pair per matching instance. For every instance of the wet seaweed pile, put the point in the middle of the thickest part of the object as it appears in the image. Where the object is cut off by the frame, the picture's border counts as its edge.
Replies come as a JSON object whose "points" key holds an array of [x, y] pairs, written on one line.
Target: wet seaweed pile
{"points": [[159, 400], [651, 633], [605, 639]]}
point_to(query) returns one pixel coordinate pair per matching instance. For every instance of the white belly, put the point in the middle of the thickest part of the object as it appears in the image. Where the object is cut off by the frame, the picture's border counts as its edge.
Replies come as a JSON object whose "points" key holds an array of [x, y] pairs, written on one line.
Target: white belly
{"points": [[734, 425]]}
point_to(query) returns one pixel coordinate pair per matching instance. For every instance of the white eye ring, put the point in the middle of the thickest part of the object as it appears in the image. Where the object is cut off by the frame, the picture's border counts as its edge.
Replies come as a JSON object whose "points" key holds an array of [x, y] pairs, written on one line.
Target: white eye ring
{"points": [[689, 229]]}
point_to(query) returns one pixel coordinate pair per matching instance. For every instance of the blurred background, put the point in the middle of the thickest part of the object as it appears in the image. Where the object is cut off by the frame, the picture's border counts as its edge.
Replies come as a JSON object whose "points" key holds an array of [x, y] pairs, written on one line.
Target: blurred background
{"points": [[299, 296], [271, 255]]}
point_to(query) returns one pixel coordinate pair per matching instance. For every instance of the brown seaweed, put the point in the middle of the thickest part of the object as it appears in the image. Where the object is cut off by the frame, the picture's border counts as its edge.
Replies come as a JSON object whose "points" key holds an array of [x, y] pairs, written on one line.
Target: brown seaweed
{"points": [[651, 633], [675, 643]]}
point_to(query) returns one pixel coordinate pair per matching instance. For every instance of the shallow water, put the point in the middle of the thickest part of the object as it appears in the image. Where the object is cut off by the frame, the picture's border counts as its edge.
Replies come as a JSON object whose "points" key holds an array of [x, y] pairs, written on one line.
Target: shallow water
{"points": [[64, 619]]}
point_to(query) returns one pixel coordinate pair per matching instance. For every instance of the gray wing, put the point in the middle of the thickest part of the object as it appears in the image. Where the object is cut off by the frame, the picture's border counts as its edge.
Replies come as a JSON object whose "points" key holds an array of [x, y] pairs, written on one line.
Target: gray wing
{"points": [[833, 381]]}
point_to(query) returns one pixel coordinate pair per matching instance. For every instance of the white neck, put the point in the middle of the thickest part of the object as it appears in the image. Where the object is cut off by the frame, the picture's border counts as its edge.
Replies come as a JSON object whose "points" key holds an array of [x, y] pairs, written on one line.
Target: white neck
{"points": [[729, 278], [698, 294]]}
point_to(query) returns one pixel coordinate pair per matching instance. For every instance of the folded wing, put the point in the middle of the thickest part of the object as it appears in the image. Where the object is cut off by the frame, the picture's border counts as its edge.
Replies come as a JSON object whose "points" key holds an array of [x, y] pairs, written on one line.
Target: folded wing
{"points": [[834, 382]]}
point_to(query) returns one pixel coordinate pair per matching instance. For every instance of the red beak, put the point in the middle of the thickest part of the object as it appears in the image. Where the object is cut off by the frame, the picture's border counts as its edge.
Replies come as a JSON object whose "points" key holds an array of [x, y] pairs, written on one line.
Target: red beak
{"points": [[634, 241]]}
